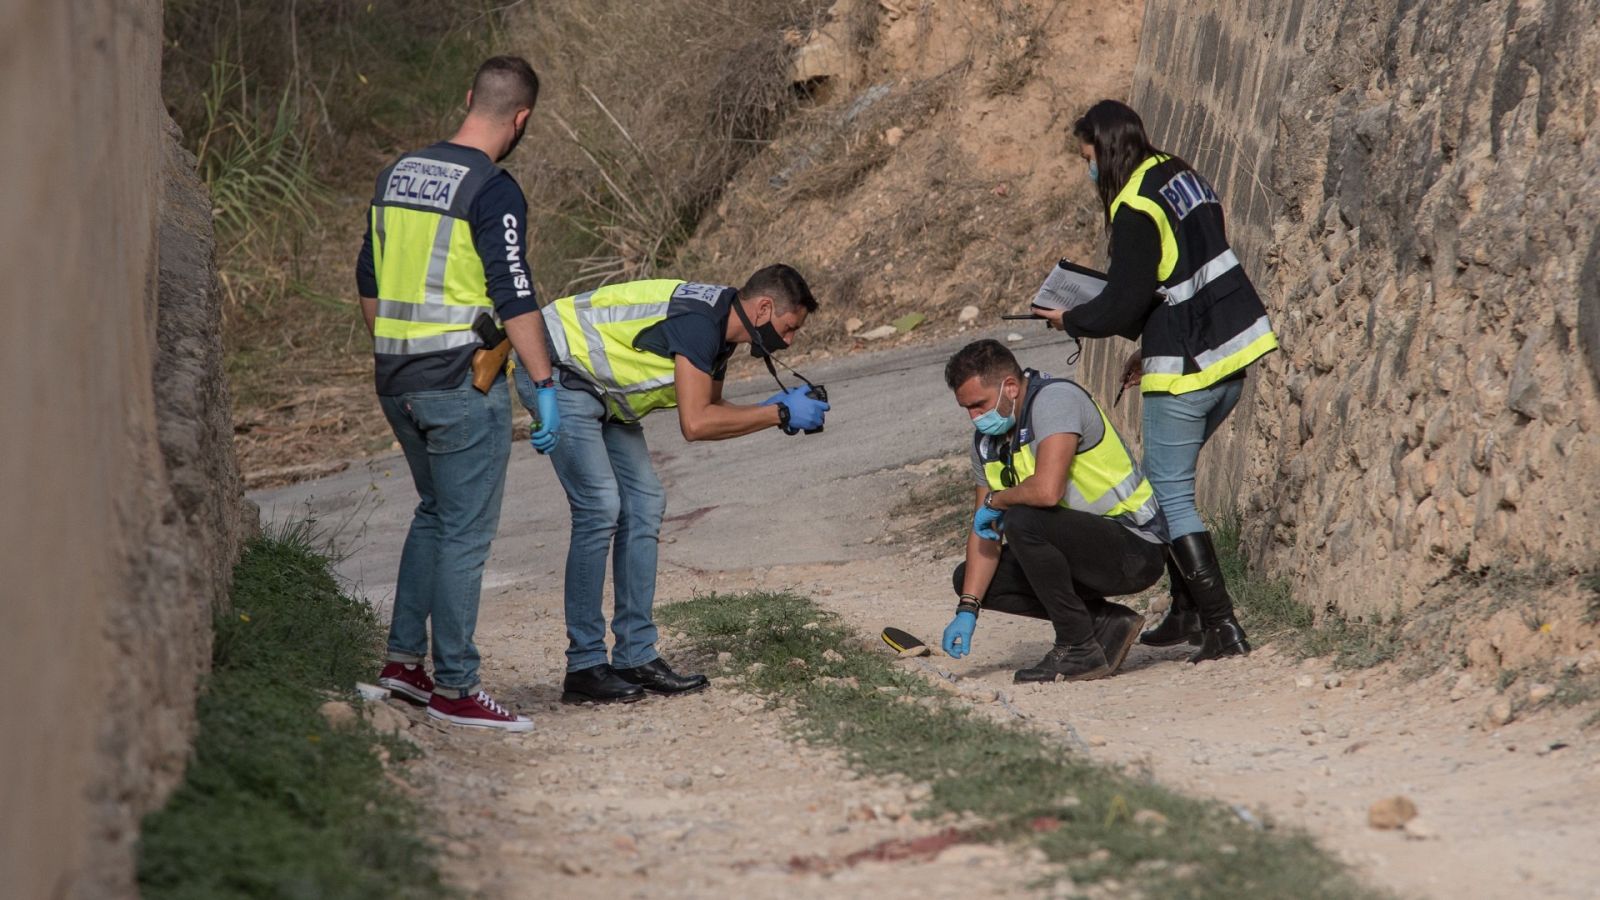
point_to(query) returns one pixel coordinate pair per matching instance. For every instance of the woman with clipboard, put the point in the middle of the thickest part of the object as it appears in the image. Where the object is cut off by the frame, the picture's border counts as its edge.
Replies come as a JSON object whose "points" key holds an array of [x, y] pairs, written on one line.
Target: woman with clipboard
{"points": [[1175, 286]]}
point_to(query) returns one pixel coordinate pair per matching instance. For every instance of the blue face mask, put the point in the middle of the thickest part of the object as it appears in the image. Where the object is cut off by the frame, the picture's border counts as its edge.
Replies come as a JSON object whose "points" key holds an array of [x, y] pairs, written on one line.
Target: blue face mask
{"points": [[1094, 171], [994, 424]]}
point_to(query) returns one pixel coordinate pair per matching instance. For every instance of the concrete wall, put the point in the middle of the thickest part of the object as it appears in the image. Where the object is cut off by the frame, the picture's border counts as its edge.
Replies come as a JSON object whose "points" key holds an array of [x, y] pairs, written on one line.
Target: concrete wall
{"points": [[1415, 188], [121, 515]]}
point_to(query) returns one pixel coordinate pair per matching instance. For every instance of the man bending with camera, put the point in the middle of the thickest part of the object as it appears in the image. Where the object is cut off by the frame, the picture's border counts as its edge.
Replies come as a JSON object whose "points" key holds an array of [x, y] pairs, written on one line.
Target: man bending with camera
{"points": [[621, 352]]}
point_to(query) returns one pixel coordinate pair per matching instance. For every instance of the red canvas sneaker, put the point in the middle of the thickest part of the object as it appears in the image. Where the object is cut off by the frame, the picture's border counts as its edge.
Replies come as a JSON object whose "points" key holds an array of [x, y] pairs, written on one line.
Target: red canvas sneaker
{"points": [[477, 711], [407, 680]]}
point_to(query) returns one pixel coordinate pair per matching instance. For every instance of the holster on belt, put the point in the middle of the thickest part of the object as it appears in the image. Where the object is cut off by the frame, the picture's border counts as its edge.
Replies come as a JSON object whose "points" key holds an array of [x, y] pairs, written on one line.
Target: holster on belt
{"points": [[489, 360]]}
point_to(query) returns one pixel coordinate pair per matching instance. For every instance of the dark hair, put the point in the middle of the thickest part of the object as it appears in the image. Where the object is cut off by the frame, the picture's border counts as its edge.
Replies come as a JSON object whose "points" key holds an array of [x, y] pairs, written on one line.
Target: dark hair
{"points": [[1120, 146], [784, 285], [989, 360], [503, 85]]}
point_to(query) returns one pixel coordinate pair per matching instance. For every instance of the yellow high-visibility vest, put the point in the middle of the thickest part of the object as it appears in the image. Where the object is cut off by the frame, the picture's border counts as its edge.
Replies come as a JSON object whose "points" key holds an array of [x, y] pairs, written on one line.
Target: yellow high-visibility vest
{"points": [[431, 283], [1211, 323], [1103, 480], [595, 331]]}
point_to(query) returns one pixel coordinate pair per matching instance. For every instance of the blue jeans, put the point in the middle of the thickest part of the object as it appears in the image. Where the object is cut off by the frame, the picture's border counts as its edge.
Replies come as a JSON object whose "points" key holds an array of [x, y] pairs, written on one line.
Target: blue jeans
{"points": [[1176, 426], [617, 504], [457, 443]]}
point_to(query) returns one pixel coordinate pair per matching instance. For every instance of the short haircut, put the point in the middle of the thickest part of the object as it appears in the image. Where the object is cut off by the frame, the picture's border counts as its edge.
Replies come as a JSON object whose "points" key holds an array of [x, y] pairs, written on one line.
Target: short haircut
{"points": [[503, 85], [784, 285], [989, 360]]}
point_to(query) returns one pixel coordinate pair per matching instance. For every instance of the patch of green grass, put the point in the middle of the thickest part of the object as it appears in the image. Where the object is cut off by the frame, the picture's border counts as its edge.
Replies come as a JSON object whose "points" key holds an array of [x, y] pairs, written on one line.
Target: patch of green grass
{"points": [[889, 721], [1268, 609], [1591, 612], [275, 803]]}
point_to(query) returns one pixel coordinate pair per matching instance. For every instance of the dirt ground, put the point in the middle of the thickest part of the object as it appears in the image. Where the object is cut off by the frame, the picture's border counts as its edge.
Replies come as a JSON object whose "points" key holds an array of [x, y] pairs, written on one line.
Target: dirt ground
{"points": [[629, 801]]}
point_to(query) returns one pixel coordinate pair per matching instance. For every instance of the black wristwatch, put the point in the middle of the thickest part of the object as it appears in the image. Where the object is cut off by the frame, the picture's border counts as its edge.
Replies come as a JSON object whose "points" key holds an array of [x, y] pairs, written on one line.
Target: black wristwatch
{"points": [[783, 420]]}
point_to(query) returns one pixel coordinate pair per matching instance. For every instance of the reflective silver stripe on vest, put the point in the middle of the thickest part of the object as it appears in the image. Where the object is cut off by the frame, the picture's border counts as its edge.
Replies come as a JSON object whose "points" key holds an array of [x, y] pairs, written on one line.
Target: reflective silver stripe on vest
{"points": [[556, 334], [1162, 365], [1219, 266], [590, 318], [433, 343], [1118, 494], [429, 313], [433, 287], [1233, 345], [377, 227]]}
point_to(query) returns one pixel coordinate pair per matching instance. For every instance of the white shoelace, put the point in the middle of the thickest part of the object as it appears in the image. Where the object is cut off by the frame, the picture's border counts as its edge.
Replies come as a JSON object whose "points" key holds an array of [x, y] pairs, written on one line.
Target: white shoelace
{"points": [[486, 702]]}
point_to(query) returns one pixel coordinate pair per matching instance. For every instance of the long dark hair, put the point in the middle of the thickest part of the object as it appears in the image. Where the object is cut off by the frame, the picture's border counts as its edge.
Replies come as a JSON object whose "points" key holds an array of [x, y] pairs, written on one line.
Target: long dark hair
{"points": [[1120, 145]]}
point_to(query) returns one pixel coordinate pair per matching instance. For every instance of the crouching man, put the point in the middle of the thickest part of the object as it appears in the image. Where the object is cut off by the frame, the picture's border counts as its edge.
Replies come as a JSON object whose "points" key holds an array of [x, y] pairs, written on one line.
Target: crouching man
{"points": [[1063, 519]]}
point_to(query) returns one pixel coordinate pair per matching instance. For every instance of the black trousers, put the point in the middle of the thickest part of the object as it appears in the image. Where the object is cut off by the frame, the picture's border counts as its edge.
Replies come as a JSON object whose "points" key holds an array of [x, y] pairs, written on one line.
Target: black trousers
{"points": [[1060, 564]]}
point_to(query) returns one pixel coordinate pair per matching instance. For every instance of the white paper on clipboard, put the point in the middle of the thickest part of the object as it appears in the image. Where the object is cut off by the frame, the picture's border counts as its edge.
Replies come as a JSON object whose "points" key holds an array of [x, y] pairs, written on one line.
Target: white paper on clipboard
{"points": [[1069, 285]]}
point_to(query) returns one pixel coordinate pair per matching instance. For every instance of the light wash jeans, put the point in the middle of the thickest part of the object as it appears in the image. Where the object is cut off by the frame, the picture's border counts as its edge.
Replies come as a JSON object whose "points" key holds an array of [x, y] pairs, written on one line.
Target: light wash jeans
{"points": [[457, 443], [1176, 426], [617, 504]]}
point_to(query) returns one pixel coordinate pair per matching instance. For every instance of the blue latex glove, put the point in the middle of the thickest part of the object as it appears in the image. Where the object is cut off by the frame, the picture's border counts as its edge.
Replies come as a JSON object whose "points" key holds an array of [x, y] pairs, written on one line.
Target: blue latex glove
{"points": [[774, 398], [958, 634], [548, 428], [805, 413], [986, 523]]}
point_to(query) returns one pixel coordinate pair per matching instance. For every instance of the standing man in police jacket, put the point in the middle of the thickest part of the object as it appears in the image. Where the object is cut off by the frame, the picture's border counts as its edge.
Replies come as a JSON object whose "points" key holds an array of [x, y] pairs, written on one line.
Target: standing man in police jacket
{"points": [[621, 352], [444, 251], [1078, 519]]}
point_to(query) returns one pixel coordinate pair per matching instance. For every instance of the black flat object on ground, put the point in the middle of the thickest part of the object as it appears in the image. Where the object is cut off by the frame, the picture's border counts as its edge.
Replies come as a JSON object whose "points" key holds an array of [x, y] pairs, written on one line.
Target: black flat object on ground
{"points": [[658, 678], [599, 684], [904, 643]]}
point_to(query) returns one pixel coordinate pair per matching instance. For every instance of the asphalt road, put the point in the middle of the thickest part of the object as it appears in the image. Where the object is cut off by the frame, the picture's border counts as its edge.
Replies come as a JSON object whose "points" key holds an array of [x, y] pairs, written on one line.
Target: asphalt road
{"points": [[764, 499]]}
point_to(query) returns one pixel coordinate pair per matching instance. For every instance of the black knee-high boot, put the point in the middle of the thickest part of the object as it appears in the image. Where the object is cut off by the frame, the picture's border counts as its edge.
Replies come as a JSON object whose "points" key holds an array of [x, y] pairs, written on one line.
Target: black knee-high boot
{"points": [[1181, 624], [1220, 633]]}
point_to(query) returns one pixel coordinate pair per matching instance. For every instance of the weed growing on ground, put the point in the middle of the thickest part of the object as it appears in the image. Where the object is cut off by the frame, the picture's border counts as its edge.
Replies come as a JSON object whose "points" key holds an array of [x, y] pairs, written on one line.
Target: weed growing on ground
{"points": [[1101, 824], [275, 802], [1268, 609]]}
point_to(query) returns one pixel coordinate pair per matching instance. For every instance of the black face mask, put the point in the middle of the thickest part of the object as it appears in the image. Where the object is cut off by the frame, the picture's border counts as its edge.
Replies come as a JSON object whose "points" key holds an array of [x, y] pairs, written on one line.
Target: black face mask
{"points": [[764, 339]]}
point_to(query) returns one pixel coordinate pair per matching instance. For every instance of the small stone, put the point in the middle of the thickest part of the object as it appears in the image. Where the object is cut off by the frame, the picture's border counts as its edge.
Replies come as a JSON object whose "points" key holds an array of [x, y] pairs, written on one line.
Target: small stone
{"points": [[832, 655], [969, 315], [1419, 830], [719, 772], [1333, 681], [973, 854], [1589, 663], [338, 714], [1150, 818], [1097, 740], [1391, 812], [1304, 681], [1499, 713], [1013, 338], [852, 325], [386, 719], [568, 867], [1461, 689], [678, 781], [1309, 728], [879, 333], [724, 658], [1539, 692], [893, 136]]}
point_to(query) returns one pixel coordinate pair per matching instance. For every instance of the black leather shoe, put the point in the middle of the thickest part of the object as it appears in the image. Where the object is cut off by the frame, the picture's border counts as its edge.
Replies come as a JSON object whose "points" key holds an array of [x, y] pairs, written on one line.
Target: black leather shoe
{"points": [[1226, 638], [1181, 624], [1116, 630], [1076, 662], [599, 684], [658, 678]]}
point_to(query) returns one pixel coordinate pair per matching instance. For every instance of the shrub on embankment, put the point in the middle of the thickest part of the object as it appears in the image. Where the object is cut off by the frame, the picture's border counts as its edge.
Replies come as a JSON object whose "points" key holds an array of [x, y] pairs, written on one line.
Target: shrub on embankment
{"points": [[278, 800]]}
